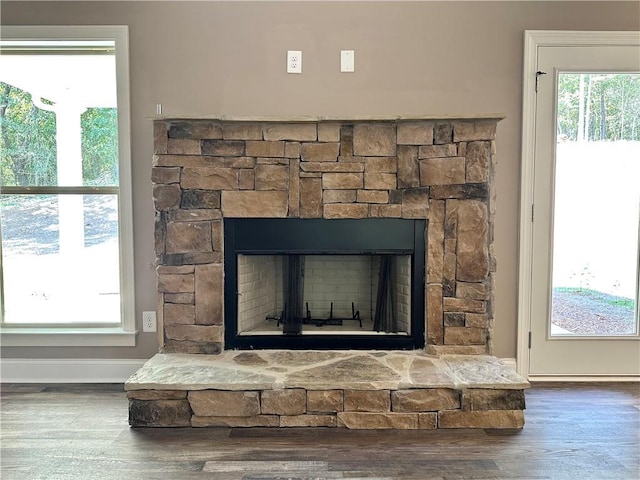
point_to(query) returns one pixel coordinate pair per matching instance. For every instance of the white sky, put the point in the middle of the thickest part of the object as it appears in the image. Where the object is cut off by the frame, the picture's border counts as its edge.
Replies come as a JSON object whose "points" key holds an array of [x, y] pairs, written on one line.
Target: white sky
{"points": [[89, 79]]}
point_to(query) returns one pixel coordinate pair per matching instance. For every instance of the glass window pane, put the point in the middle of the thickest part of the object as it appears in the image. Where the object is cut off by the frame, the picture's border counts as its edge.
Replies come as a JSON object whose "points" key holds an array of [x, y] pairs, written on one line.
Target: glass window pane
{"points": [[58, 128], [597, 198], [100, 147], [60, 259]]}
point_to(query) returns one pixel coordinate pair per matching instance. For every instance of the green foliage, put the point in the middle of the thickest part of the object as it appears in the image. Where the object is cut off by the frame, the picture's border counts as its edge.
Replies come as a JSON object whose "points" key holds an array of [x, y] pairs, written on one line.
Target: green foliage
{"points": [[27, 140], [100, 146], [28, 154], [599, 106], [622, 302]]}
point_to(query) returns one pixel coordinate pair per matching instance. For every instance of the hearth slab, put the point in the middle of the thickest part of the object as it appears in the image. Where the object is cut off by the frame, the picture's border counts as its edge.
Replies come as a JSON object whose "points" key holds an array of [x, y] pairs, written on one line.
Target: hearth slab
{"points": [[320, 370]]}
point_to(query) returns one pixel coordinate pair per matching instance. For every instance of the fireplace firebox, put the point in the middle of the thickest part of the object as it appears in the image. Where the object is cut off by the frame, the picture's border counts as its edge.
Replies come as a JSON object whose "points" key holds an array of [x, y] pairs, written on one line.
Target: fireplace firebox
{"points": [[324, 284]]}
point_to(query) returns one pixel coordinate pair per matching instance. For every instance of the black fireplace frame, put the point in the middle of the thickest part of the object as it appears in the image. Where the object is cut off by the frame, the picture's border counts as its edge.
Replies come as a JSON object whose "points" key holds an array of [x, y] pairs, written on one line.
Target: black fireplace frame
{"points": [[372, 236]]}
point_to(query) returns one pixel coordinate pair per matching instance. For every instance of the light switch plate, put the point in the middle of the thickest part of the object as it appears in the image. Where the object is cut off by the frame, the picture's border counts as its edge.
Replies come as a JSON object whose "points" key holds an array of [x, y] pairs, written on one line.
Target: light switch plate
{"points": [[347, 61]]}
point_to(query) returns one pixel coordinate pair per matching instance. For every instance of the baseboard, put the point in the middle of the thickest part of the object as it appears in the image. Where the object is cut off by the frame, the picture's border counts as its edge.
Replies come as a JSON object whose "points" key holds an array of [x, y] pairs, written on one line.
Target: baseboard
{"points": [[68, 370], [510, 363], [85, 370], [584, 378]]}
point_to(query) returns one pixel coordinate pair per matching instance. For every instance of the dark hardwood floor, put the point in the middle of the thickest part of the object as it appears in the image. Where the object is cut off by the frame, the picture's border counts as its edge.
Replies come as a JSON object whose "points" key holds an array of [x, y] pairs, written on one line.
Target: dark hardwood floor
{"points": [[80, 432]]}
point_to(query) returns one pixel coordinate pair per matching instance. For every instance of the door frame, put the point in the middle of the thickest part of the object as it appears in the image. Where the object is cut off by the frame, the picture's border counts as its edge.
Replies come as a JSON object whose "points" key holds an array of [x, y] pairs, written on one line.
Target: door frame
{"points": [[533, 40]]}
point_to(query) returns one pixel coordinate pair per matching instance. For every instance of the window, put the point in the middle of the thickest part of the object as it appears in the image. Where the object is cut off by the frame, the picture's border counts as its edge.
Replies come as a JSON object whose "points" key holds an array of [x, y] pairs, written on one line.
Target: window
{"points": [[65, 196]]}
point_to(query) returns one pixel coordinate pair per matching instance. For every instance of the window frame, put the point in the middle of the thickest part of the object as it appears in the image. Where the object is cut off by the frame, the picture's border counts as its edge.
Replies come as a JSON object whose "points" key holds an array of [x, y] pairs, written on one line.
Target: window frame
{"points": [[124, 333]]}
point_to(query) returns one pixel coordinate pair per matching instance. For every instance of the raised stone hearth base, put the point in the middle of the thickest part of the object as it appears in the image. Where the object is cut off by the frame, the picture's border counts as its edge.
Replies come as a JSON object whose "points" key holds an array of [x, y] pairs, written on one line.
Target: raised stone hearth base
{"points": [[352, 389]]}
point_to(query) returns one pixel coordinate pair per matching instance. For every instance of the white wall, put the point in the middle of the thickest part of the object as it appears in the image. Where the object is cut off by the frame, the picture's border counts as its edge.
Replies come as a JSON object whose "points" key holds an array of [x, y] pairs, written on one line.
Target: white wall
{"points": [[259, 282], [403, 292], [339, 278]]}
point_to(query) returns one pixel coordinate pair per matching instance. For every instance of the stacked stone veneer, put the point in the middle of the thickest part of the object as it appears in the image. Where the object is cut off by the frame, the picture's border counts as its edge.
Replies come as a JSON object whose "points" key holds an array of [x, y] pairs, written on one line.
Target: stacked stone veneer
{"points": [[355, 409], [439, 170]]}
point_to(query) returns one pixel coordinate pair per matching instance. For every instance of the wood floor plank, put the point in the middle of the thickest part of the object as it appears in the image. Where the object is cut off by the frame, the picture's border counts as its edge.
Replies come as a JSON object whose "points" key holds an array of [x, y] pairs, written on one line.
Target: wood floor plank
{"points": [[80, 432], [265, 466]]}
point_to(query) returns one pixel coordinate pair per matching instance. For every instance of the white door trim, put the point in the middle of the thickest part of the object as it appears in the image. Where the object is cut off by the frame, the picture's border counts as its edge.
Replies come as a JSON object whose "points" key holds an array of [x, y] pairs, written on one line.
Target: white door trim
{"points": [[533, 39]]}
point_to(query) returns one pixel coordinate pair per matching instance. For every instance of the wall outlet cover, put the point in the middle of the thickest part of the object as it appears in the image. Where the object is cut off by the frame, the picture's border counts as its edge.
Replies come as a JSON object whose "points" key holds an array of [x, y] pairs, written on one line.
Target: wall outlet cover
{"points": [[294, 61], [149, 322]]}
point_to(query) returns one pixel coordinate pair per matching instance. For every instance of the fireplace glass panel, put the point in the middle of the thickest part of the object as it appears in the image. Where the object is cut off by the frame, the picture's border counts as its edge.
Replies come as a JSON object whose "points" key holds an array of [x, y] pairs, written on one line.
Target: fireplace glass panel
{"points": [[368, 294], [324, 283]]}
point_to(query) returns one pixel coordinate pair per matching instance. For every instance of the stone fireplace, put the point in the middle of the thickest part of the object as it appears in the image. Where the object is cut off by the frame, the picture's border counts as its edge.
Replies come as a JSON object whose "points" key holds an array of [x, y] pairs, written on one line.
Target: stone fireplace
{"points": [[218, 180], [436, 170]]}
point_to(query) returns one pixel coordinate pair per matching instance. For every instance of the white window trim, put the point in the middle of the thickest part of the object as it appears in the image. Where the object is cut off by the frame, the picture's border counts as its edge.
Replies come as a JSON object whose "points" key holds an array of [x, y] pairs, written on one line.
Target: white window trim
{"points": [[533, 39], [125, 334]]}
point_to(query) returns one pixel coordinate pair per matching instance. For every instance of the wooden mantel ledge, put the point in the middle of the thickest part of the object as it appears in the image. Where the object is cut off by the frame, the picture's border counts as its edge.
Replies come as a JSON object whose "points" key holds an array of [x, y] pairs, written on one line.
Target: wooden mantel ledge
{"points": [[320, 118]]}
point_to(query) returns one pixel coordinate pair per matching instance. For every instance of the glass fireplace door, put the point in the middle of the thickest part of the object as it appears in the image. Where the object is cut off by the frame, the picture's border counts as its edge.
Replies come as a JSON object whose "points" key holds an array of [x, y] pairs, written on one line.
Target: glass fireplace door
{"points": [[316, 283], [324, 294]]}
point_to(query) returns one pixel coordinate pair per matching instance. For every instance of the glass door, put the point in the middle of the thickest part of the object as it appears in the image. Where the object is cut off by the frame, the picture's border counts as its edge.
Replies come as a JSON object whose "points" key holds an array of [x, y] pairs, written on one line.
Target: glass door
{"points": [[584, 293]]}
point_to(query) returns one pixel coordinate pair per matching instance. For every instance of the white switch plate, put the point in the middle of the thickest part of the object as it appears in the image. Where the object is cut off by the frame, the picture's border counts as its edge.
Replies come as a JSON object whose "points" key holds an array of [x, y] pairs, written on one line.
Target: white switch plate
{"points": [[347, 61], [294, 61]]}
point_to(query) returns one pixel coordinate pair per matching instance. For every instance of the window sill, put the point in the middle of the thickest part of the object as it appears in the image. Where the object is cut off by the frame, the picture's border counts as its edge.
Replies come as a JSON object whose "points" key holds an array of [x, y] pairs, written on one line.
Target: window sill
{"points": [[67, 337]]}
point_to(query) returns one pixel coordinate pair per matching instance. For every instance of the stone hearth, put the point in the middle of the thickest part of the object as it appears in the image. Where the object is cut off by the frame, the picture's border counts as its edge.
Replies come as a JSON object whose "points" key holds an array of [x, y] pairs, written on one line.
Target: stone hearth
{"points": [[434, 169], [354, 389]]}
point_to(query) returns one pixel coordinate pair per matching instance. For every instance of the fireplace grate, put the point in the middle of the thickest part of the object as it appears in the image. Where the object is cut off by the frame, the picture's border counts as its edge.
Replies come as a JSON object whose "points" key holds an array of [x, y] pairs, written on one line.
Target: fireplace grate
{"points": [[319, 322]]}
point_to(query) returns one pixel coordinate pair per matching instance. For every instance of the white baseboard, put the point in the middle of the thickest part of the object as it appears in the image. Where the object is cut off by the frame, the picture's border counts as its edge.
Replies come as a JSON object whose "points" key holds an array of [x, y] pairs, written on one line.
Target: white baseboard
{"points": [[584, 378], [511, 363], [68, 370], [85, 370]]}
